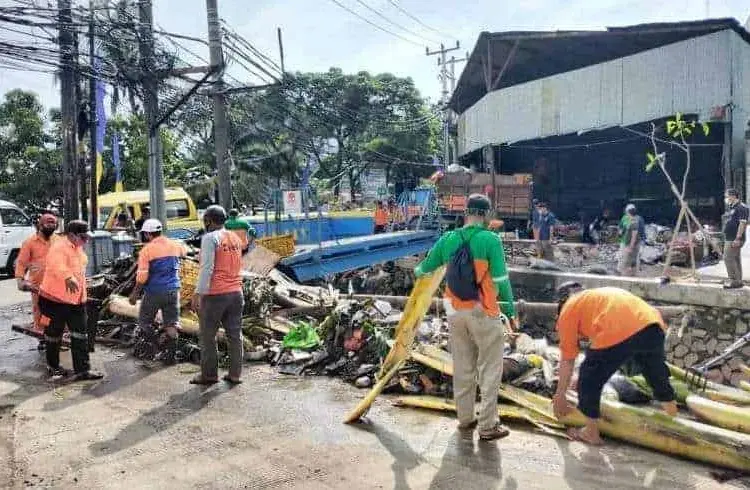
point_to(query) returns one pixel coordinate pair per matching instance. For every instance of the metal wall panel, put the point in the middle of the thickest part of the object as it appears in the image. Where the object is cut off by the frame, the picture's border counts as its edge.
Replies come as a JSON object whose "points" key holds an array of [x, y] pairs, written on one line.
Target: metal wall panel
{"points": [[689, 76]]}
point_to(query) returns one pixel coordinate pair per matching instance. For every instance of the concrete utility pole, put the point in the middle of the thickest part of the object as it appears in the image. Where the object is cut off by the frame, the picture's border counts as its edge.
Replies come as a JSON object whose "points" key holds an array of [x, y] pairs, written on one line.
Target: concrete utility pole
{"points": [[442, 63], [93, 185], [151, 107], [221, 125], [451, 116], [69, 111]]}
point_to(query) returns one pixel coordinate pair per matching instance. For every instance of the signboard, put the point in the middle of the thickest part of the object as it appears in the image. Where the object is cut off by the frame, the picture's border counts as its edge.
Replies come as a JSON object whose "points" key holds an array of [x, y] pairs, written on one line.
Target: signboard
{"points": [[292, 202]]}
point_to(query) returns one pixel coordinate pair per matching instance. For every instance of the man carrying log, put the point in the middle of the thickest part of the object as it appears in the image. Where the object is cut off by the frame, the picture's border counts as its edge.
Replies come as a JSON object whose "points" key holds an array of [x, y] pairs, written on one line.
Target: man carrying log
{"points": [[218, 297], [620, 327], [475, 275], [158, 276], [62, 299], [30, 266]]}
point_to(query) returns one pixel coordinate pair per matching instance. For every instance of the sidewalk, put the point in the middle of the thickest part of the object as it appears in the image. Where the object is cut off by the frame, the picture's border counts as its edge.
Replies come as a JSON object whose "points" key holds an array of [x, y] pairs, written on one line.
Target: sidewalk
{"points": [[719, 271]]}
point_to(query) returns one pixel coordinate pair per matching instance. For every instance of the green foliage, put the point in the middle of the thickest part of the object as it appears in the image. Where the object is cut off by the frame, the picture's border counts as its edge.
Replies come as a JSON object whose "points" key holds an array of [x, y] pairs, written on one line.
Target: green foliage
{"points": [[679, 129], [29, 160], [134, 155]]}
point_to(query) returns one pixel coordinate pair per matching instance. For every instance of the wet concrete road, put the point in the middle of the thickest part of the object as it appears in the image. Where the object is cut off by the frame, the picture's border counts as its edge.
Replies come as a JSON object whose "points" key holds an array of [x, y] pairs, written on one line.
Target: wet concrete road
{"points": [[150, 429]]}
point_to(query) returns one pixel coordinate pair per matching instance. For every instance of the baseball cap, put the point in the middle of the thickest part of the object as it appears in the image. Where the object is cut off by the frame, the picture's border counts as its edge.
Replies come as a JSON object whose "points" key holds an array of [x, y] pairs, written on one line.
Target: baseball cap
{"points": [[151, 226]]}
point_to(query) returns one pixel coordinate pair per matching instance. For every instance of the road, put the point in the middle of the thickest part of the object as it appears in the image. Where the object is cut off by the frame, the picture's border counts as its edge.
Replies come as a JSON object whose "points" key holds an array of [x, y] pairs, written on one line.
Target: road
{"points": [[147, 429]]}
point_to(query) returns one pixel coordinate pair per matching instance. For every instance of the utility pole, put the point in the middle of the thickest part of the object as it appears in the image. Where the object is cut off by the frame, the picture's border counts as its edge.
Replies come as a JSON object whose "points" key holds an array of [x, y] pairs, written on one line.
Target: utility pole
{"points": [[151, 107], [93, 185], [451, 115], [68, 110], [221, 125], [81, 129], [442, 63], [281, 51], [452, 62]]}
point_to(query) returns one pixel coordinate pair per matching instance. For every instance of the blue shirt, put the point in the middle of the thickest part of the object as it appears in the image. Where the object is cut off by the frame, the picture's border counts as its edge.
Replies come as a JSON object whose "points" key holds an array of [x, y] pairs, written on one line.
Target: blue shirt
{"points": [[159, 265], [545, 224]]}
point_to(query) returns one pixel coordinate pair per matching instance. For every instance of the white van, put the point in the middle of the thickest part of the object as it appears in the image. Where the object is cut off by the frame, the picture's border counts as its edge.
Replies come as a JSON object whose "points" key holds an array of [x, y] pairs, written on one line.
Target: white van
{"points": [[15, 227]]}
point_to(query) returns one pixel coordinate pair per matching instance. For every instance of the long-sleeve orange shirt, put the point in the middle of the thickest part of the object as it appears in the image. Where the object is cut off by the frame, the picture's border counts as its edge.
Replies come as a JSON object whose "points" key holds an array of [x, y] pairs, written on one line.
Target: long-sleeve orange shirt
{"points": [[64, 260], [606, 316], [32, 258], [381, 217]]}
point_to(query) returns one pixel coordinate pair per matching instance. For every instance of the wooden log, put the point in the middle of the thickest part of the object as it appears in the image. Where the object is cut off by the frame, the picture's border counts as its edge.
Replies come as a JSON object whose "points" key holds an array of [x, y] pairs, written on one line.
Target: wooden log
{"points": [[522, 307], [119, 305]]}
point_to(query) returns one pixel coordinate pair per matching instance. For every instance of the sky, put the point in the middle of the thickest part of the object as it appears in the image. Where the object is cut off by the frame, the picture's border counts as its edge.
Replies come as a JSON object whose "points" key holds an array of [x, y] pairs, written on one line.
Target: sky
{"points": [[319, 34]]}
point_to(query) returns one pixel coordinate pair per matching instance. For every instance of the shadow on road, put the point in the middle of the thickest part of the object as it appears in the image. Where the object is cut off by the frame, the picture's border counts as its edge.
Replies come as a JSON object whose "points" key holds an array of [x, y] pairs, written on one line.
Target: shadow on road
{"points": [[405, 458], [157, 420], [469, 464], [597, 464], [118, 375]]}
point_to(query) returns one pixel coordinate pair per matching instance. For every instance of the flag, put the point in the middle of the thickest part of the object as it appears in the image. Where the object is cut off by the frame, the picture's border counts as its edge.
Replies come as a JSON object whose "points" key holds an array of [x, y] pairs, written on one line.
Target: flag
{"points": [[116, 162], [101, 120]]}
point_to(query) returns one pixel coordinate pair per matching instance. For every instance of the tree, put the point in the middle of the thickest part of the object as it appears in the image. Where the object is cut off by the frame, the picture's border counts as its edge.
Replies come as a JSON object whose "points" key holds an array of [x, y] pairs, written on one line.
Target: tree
{"points": [[680, 130], [362, 114], [134, 155], [29, 156]]}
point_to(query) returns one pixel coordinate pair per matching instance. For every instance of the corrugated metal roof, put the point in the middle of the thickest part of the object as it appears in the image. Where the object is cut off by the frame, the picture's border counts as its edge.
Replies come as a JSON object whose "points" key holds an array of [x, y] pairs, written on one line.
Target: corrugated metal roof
{"points": [[541, 54], [692, 76]]}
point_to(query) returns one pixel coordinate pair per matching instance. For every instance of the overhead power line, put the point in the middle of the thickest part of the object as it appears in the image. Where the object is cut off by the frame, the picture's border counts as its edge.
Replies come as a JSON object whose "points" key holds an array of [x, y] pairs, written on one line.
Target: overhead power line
{"points": [[385, 18], [376, 26], [417, 20]]}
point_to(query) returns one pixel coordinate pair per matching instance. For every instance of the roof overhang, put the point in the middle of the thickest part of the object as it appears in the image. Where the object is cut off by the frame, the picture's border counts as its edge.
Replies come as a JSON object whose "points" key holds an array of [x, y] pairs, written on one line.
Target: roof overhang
{"points": [[519, 57]]}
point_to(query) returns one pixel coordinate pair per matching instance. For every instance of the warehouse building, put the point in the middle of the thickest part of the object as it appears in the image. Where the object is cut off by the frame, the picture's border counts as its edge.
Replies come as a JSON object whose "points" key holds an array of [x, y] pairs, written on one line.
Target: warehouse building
{"points": [[576, 108]]}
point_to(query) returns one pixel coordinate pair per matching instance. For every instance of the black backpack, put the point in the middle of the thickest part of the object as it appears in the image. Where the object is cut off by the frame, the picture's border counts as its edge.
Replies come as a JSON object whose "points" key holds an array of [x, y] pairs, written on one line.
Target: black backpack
{"points": [[460, 274]]}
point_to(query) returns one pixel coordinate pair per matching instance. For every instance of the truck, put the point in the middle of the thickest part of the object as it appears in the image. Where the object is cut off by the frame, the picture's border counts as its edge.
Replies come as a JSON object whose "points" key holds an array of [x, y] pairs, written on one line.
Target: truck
{"points": [[512, 198]]}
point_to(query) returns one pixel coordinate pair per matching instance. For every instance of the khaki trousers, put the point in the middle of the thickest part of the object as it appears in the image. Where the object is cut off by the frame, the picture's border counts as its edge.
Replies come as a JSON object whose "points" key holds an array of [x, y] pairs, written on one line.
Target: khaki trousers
{"points": [[477, 343], [733, 262]]}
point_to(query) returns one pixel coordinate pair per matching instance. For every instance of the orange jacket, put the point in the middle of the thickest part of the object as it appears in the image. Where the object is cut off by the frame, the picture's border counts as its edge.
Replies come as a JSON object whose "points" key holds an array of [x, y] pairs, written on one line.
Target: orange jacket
{"points": [[32, 258], [606, 316], [381, 217], [64, 261]]}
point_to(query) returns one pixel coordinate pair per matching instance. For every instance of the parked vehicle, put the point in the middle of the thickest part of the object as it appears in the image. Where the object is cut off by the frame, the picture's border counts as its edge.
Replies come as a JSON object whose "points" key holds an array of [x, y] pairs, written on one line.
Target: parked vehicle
{"points": [[512, 196], [15, 227], [181, 211]]}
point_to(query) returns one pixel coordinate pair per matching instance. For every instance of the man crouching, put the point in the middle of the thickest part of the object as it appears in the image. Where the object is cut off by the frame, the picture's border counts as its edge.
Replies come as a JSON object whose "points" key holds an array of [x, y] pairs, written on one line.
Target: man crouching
{"points": [[621, 327]]}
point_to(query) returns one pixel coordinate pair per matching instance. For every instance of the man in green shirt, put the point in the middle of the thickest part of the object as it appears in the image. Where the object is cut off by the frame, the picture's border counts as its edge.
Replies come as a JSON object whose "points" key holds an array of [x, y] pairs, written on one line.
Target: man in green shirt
{"points": [[629, 241], [241, 228], [477, 326]]}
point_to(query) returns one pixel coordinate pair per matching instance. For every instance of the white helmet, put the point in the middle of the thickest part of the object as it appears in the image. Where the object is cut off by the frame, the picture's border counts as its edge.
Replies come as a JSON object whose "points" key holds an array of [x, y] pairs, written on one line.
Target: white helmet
{"points": [[151, 226]]}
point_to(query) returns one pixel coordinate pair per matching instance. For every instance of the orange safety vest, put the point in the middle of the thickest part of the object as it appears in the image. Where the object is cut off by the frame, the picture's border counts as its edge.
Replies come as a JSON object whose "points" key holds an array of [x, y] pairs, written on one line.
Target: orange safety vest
{"points": [[227, 276], [381, 217], [32, 258], [64, 260]]}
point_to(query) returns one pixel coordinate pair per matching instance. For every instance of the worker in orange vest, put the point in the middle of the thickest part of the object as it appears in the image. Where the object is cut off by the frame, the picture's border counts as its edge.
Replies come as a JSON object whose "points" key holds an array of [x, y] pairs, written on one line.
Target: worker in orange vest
{"points": [[218, 297], [30, 266], [381, 218], [62, 299]]}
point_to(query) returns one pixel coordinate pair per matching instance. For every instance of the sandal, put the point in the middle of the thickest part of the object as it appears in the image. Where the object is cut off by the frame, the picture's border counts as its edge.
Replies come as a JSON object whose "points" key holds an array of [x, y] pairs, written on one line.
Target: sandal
{"points": [[229, 380], [497, 432], [200, 380], [578, 434]]}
